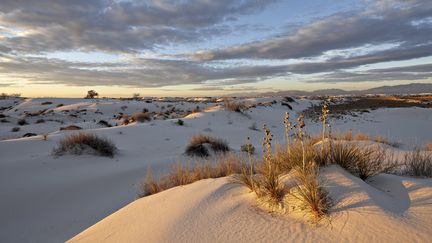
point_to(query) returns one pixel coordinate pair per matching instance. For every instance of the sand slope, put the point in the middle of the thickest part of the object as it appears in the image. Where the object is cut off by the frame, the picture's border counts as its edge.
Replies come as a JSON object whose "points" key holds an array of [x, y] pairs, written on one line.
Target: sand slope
{"points": [[389, 209]]}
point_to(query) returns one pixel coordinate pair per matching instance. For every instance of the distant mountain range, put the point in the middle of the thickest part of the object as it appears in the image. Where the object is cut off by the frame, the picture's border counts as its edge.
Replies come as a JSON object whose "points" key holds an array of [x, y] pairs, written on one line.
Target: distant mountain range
{"points": [[414, 88]]}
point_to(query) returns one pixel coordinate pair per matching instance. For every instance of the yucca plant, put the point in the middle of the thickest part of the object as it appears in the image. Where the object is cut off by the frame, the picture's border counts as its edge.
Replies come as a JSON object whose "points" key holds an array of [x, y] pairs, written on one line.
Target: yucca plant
{"points": [[310, 192]]}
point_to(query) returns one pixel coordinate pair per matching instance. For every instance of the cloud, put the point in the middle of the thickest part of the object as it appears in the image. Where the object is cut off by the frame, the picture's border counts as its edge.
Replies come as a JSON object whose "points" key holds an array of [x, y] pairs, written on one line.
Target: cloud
{"points": [[388, 21], [415, 72], [116, 26]]}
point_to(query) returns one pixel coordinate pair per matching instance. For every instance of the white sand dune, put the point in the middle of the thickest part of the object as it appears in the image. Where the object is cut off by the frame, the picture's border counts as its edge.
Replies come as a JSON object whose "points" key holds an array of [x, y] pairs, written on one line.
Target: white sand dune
{"points": [[47, 199], [392, 209]]}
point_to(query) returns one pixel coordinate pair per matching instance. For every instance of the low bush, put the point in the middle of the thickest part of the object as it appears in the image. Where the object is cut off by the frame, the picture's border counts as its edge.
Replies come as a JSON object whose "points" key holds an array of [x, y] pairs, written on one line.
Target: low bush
{"points": [[362, 162], [22, 122], [80, 143], [15, 129], [418, 163], [197, 145], [235, 106], [140, 117]]}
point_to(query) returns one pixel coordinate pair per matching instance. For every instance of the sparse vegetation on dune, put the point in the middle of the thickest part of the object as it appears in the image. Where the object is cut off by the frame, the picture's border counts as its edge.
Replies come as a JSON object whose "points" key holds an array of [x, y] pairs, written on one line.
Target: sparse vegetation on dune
{"points": [[181, 174], [310, 192], [140, 117], [79, 143], [235, 106], [418, 163], [198, 144], [360, 161]]}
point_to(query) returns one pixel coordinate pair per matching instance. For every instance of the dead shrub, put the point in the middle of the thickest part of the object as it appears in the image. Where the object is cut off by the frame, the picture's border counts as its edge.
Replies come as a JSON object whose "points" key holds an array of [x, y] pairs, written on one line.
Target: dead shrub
{"points": [[80, 143]]}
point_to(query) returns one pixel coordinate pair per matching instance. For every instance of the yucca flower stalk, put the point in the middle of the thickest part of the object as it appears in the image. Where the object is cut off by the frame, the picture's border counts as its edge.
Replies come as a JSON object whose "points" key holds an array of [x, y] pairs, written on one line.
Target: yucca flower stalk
{"points": [[300, 125], [324, 121], [288, 127], [266, 145]]}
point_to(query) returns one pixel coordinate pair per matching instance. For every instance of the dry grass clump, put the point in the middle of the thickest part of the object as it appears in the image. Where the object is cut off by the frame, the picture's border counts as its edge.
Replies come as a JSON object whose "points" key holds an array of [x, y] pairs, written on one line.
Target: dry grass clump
{"points": [[362, 162], [80, 143], [418, 163], [235, 106], [181, 174], [350, 136], [310, 192], [140, 117], [197, 145], [428, 147], [289, 158]]}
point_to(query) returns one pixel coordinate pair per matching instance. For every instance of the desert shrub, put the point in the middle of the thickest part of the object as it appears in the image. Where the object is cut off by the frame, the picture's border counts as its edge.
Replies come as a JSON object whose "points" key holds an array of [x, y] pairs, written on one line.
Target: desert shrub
{"points": [[247, 148], [104, 123], [181, 174], [269, 185], [46, 103], [310, 192], [235, 106], [418, 163], [219, 145], [59, 105], [4, 121], [40, 121], [346, 155], [15, 129], [247, 177], [289, 159], [180, 122], [196, 146], [428, 147], [141, 117], [198, 150], [376, 160], [287, 105], [79, 143], [22, 122], [362, 162]]}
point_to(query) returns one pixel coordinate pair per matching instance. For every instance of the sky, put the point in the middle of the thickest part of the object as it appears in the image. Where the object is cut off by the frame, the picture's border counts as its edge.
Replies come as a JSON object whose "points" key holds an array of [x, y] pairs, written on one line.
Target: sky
{"points": [[63, 48]]}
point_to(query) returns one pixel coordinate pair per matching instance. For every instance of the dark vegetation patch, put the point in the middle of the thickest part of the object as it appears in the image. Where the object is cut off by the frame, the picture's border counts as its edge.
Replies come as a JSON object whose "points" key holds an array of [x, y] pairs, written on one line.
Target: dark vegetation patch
{"points": [[80, 143]]}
